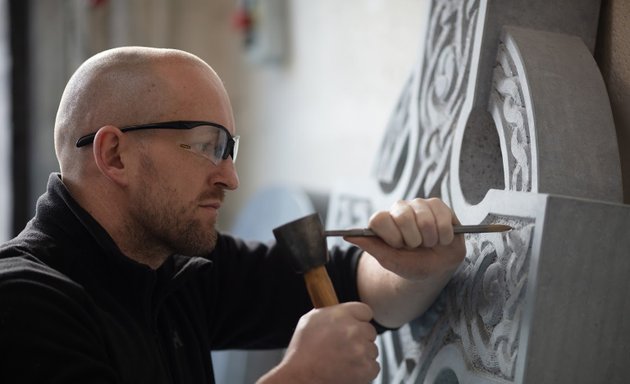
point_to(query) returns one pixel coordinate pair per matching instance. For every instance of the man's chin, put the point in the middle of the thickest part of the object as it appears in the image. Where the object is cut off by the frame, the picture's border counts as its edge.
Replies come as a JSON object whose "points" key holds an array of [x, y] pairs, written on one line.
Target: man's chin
{"points": [[203, 243]]}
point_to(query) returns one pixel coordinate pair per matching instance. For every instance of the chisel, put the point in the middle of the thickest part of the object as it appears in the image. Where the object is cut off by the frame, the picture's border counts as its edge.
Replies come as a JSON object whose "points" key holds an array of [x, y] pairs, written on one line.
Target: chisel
{"points": [[457, 229]]}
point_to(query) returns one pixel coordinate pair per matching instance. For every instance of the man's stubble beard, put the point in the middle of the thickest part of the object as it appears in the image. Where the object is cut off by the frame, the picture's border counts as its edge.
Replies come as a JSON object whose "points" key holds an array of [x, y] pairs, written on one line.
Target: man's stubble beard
{"points": [[164, 221]]}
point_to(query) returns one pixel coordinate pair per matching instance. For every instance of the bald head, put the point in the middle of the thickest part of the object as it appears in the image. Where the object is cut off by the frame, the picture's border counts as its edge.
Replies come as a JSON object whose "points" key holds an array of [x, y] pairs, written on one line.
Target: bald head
{"points": [[127, 86]]}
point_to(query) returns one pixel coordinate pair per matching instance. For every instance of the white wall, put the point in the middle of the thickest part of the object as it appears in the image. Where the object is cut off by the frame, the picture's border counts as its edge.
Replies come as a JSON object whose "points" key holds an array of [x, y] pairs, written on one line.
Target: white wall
{"points": [[320, 118]]}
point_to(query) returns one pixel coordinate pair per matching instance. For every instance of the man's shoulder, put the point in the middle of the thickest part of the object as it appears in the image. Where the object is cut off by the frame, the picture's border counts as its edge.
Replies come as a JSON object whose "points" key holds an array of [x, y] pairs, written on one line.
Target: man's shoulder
{"points": [[20, 268], [26, 267], [31, 253]]}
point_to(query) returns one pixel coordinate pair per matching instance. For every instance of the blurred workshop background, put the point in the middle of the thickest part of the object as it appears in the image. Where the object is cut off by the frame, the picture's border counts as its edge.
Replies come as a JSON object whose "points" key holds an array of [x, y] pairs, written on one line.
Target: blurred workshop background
{"points": [[312, 83]]}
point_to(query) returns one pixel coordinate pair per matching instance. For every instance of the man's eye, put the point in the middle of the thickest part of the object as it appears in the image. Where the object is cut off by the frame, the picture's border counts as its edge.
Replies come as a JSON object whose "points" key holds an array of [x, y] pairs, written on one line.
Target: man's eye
{"points": [[207, 148]]}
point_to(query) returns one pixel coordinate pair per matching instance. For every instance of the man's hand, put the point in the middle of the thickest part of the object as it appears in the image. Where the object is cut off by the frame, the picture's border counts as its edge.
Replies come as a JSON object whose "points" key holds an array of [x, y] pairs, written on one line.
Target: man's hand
{"points": [[330, 345], [404, 269], [415, 239]]}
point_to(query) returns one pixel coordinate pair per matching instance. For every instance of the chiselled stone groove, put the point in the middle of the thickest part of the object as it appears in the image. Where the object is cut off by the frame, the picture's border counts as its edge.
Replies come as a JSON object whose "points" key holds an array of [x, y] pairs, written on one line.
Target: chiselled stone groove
{"points": [[508, 107]]}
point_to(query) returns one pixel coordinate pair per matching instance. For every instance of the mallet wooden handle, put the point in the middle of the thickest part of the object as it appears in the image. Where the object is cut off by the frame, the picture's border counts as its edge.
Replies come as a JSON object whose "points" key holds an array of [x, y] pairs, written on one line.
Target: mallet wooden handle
{"points": [[320, 287]]}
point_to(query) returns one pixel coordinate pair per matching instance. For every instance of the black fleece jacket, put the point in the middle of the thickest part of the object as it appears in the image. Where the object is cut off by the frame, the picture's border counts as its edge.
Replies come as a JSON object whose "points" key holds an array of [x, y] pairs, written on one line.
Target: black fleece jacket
{"points": [[74, 309]]}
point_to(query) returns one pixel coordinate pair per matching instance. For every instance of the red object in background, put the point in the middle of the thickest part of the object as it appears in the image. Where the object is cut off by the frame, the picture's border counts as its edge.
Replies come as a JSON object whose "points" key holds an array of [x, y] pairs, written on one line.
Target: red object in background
{"points": [[242, 19], [97, 3]]}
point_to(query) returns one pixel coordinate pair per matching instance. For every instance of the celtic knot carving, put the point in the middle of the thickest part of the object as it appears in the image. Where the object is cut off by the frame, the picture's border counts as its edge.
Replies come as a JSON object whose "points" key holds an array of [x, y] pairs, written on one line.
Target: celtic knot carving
{"points": [[396, 142], [485, 298], [443, 89], [508, 107], [480, 309], [413, 162], [349, 212]]}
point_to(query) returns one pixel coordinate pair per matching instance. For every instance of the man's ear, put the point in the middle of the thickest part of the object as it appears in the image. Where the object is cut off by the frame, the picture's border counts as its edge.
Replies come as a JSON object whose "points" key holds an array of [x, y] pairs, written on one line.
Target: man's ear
{"points": [[108, 148]]}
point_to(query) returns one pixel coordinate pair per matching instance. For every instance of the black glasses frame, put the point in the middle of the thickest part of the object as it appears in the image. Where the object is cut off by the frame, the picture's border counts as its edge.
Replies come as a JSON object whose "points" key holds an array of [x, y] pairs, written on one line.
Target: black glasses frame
{"points": [[180, 124]]}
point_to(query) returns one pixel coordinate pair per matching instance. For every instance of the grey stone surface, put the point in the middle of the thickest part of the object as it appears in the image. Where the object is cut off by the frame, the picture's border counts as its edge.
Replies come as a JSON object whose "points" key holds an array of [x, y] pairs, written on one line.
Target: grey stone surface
{"points": [[551, 117], [577, 309], [506, 118]]}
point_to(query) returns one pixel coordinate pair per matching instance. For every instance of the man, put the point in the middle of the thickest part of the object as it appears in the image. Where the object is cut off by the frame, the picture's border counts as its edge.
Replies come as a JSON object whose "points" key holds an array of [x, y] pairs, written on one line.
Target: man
{"points": [[121, 276]]}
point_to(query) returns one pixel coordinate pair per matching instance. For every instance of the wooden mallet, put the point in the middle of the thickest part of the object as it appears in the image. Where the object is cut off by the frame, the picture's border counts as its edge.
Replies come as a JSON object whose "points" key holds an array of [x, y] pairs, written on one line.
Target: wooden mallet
{"points": [[305, 244]]}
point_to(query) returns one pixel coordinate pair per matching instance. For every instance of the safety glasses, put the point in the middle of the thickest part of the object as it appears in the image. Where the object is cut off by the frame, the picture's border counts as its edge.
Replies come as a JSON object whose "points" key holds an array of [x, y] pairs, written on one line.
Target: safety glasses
{"points": [[210, 140]]}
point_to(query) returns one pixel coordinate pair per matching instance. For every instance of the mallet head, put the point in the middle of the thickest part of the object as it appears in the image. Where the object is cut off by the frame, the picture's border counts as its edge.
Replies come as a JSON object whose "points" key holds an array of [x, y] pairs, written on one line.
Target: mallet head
{"points": [[304, 241]]}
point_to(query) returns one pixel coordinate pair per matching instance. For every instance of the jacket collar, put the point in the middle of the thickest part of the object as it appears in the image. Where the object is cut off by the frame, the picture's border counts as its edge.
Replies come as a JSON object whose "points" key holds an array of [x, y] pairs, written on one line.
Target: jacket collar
{"points": [[93, 253]]}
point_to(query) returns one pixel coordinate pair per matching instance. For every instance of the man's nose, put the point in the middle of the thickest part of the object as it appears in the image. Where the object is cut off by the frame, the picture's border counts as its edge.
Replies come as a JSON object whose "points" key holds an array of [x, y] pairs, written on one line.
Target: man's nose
{"points": [[227, 175]]}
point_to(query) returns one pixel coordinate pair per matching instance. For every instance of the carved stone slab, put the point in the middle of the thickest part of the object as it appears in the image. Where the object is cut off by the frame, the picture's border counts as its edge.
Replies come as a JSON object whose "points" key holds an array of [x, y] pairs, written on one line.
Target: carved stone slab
{"points": [[535, 305], [507, 119]]}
